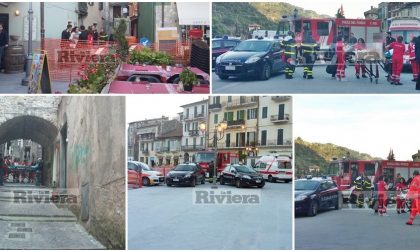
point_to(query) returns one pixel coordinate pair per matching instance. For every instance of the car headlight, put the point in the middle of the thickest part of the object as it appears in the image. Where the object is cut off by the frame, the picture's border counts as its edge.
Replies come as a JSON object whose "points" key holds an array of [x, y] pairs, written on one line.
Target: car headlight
{"points": [[246, 177], [252, 59], [301, 197], [218, 59], [187, 175]]}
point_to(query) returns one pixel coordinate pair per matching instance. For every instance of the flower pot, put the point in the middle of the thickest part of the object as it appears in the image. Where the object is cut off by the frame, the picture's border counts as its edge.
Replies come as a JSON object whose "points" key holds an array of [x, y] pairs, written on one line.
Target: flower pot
{"points": [[188, 88]]}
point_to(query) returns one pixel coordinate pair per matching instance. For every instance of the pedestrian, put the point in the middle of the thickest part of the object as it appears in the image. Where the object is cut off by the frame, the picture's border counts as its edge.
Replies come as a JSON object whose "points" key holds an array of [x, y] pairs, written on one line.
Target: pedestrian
{"points": [[83, 33], [289, 44], [352, 39], [414, 195], [382, 188], [1, 170], [90, 35], [4, 43], [341, 59], [360, 46], [103, 35], [95, 32], [417, 52], [397, 59], [358, 191], [211, 169], [412, 55], [74, 36], [399, 188], [389, 39], [65, 35], [309, 48]]}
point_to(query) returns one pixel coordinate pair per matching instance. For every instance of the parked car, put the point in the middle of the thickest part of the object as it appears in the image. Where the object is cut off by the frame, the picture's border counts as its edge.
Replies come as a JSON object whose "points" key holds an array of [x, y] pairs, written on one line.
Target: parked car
{"points": [[186, 174], [133, 177], [221, 45], [315, 194], [149, 176], [251, 58], [240, 176]]}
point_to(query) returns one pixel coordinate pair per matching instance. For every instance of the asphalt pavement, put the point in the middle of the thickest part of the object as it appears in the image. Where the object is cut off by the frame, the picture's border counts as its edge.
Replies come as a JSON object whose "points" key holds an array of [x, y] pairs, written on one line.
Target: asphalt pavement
{"points": [[162, 217], [322, 83], [356, 229], [12, 84]]}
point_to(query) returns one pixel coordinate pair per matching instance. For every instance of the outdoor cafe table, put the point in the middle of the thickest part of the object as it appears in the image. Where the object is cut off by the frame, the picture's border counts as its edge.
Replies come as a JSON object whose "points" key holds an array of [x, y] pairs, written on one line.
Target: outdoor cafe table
{"points": [[126, 87]]}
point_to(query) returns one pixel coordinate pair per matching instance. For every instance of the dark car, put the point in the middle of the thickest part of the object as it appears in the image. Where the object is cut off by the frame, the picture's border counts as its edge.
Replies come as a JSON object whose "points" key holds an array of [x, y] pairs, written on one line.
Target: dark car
{"points": [[186, 174], [240, 176], [251, 58], [313, 195], [221, 45]]}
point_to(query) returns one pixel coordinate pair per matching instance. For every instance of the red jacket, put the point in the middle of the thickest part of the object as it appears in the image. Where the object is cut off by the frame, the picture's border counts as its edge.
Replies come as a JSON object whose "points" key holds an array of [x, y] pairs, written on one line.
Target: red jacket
{"points": [[414, 190], [381, 188], [339, 50], [399, 50], [412, 51], [360, 46]]}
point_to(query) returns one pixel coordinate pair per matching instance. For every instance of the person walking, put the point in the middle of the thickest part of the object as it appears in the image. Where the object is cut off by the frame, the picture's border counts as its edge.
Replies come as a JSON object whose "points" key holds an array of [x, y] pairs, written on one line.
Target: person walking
{"points": [[309, 47], [399, 188], [382, 196], [289, 44], [4, 43], [414, 195], [397, 59], [358, 191], [341, 59], [412, 54], [360, 46]]}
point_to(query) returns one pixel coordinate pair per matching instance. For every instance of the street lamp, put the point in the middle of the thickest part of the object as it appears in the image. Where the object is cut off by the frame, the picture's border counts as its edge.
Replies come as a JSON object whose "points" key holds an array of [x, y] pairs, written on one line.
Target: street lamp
{"points": [[218, 134], [25, 81]]}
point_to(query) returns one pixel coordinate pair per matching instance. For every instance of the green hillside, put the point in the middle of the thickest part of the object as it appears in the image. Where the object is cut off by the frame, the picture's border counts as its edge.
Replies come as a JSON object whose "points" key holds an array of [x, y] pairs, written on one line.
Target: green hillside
{"points": [[318, 154], [233, 18]]}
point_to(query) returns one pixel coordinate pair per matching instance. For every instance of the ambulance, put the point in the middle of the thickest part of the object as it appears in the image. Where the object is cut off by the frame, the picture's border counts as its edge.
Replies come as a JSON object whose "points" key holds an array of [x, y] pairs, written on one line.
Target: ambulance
{"points": [[275, 168]]}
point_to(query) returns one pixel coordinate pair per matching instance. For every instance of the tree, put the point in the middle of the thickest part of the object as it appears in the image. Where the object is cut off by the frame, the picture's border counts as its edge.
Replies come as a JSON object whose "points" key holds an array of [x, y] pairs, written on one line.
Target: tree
{"points": [[391, 156], [119, 36], [340, 13]]}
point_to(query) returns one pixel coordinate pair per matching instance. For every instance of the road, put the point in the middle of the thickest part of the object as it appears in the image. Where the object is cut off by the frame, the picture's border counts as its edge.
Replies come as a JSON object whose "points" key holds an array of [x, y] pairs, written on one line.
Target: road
{"points": [[356, 229], [41, 225], [166, 218], [11, 84], [322, 83]]}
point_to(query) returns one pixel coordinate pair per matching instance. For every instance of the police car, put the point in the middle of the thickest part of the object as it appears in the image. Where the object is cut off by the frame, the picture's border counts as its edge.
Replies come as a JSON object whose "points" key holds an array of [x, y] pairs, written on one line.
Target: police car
{"points": [[221, 45], [252, 58], [315, 194]]}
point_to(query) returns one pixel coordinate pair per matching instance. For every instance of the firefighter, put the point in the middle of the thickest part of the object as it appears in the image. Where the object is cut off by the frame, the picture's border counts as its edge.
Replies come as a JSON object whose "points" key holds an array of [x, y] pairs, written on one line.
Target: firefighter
{"points": [[341, 59], [309, 48], [289, 44], [367, 188], [400, 187], [382, 195], [397, 59], [358, 191], [412, 55], [414, 195]]}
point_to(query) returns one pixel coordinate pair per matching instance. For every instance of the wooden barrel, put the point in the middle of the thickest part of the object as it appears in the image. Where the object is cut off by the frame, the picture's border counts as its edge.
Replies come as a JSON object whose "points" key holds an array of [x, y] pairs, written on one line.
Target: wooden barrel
{"points": [[14, 59]]}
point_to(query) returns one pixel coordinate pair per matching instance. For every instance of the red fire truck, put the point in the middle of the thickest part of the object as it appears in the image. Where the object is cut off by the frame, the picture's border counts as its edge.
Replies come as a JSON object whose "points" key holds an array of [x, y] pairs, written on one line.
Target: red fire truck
{"points": [[344, 172], [203, 158], [324, 30]]}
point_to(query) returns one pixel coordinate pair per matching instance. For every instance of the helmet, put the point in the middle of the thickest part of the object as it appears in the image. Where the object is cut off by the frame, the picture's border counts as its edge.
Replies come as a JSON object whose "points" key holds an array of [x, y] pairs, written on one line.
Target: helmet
{"points": [[359, 178]]}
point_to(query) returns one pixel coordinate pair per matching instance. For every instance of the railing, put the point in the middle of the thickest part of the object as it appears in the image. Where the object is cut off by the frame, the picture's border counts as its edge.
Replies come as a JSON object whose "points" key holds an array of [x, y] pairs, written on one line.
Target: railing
{"points": [[193, 132], [145, 151], [283, 142], [277, 118], [236, 123], [147, 138], [192, 147], [241, 102], [215, 106], [193, 117], [162, 149]]}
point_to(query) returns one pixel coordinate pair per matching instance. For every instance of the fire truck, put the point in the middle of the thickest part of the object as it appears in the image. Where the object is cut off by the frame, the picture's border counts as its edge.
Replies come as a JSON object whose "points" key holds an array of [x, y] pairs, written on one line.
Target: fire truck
{"points": [[325, 30], [275, 168], [344, 172], [223, 158]]}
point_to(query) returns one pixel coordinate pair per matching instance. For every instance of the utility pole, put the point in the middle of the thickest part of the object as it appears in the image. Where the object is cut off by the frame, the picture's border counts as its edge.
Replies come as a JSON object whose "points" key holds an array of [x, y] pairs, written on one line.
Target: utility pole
{"points": [[29, 58]]}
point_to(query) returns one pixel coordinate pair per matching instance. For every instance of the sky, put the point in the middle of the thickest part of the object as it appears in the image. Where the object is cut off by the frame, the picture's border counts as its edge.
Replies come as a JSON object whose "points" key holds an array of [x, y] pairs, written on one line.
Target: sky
{"points": [[352, 8], [365, 123], [141, 107]]}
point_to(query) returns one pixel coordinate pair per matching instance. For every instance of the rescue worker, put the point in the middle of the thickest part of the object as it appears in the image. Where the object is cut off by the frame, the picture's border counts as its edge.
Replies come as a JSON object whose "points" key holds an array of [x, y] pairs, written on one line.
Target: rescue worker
{"points": [[399, 188], [412, 55], [289, 44], [382, 196], [309, 48], [341, 59], [361, 45], [414, 195], [367, 188], [358, 191], [397, 59]]}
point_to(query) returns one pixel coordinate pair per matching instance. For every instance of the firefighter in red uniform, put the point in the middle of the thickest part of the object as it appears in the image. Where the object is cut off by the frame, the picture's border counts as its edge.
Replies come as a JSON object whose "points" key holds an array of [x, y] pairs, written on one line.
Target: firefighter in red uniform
{"points": [[414, 195], [382, 196], [360, 64], [412, 55], [397, 59], [341, 58], [399, 187]]}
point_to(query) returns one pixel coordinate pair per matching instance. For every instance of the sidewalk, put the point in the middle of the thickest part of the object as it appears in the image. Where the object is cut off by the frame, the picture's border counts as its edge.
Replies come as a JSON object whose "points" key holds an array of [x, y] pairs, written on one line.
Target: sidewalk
{"points": [[12, 84]]}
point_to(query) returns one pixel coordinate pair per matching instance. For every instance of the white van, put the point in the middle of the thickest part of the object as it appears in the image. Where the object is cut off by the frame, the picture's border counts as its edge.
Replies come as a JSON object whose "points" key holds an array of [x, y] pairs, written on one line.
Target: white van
{"points": [[275, 168]]}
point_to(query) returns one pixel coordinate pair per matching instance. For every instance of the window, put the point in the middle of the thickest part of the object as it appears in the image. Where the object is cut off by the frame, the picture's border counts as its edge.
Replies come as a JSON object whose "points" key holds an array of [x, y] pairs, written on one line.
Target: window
{"points": [[240, 114], [323, 29], [252, 113], [216, 44], [202, 109], [186, 141], [229, 98], [216, 118], [216, 99], [264, 112], [280, 137], [195, 111], [228, 140], [370, 169], [263, 137], [187, 114], [201, 141], [231, 43], [250, 138], [229, 116]]}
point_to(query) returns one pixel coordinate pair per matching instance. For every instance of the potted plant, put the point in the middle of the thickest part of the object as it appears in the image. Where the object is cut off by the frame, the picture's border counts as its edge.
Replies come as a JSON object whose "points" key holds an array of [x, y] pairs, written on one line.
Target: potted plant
{"points": [[187, 78]]}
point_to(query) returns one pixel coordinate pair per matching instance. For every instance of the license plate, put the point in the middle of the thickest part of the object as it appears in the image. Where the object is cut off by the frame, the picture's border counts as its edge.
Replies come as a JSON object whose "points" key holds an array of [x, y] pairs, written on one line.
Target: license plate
{"points": [[175, 179], [258, 181], [231, 68]]}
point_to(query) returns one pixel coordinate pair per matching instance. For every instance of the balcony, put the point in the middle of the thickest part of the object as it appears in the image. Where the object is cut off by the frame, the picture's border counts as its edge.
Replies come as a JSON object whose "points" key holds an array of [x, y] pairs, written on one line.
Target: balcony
{"points": [[271, 143], [279, 119], [236, 123], [145, 151], [162, 149], [242, 102], [192, 147], [193, 132], [280, 98], [215, 106], [147, 138], [194, 117]]}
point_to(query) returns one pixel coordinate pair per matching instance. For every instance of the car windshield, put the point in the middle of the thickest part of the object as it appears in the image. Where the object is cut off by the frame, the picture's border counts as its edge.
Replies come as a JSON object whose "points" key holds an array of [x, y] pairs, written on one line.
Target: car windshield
{"points": [[145, 167], [253, 46], [184, 168], [244, 169], [306, 185], [204, 157]]}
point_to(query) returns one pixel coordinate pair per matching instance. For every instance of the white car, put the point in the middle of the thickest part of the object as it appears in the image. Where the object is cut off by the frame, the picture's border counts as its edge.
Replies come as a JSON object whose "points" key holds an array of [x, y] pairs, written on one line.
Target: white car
{"points": [[149, 176]]}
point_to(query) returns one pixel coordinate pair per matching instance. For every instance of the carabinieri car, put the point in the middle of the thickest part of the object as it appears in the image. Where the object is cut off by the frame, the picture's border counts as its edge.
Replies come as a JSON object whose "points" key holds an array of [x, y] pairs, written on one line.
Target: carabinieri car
{"points": [[251, 58], [314, 194], [240, 176]]}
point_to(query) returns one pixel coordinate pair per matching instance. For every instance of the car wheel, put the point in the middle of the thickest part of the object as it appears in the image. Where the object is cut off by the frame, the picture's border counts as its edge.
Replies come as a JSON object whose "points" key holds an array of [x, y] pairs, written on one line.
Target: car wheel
{"points": [[223, 77], [265, 72], [145, 181], [313, 208], [271, 179], [238, 183], [193, 182], [287, 181], [221, 180], [261, 186], [168, 184]]}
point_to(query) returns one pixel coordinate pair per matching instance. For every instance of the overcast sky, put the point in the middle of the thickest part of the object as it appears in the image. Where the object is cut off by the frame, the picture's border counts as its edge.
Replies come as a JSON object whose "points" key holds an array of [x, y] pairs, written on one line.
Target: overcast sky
{"points": [[140, 107], [352, 9], [369, 124]]}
